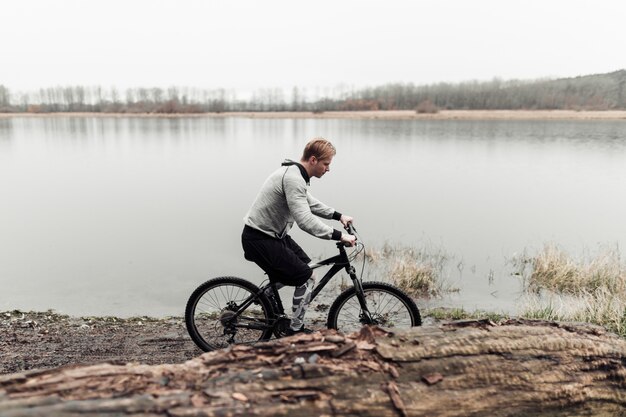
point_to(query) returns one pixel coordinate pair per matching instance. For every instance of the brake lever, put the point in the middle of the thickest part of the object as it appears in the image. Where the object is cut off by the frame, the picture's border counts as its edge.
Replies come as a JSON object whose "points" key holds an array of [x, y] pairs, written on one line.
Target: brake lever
{"points": [[352, 231]]}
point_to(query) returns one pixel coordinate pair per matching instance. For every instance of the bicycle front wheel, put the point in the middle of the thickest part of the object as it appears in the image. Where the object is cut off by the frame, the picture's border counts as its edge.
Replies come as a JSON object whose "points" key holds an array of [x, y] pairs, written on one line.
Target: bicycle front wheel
{"points": [[211, 318], [389, 307]]}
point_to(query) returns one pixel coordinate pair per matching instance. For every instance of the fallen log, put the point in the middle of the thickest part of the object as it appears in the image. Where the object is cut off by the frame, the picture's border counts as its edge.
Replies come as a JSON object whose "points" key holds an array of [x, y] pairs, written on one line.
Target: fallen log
{"points": [[471, 368]]}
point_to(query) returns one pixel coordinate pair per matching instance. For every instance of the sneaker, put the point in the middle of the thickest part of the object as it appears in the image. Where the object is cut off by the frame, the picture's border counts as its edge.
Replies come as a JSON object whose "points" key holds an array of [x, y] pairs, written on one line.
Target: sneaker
{"points": [[301, 330]]}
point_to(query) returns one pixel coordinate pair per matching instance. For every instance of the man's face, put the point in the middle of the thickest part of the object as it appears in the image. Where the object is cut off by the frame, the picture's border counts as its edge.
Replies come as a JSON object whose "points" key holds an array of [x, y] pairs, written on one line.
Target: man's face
{"points": [[320, 166]]}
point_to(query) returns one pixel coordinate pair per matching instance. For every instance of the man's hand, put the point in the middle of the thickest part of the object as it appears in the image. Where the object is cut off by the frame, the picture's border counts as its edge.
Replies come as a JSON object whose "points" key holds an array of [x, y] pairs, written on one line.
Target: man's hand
{"points": [[348, 240], [345, 220]]}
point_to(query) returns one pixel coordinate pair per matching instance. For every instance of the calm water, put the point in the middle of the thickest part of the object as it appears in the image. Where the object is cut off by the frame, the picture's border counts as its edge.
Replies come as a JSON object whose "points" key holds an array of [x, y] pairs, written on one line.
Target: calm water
{"points": [[127, 216]]}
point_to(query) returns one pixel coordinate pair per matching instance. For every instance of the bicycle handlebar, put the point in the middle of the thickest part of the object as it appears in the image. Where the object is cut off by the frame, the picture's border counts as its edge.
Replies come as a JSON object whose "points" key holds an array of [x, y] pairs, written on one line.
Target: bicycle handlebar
{"points": [[350, 229]]}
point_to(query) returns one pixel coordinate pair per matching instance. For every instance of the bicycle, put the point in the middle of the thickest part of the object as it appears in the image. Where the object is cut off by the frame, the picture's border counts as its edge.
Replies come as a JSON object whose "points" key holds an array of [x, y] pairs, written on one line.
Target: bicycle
{"points": [[230, 310]]}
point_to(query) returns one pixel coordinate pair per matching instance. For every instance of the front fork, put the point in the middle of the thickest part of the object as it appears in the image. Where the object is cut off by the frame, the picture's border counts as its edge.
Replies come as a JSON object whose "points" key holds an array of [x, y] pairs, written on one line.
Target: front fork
{"points": [[366, 316]]}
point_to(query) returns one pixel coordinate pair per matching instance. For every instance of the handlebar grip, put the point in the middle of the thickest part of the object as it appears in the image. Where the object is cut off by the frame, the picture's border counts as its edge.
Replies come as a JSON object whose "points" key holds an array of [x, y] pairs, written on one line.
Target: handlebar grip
{"points": [[350, 229]]}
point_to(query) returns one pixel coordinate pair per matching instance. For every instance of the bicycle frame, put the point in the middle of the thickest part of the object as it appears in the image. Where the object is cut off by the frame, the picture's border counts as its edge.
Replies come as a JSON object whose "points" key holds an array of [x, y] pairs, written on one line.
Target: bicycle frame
{"points": [[338, 263]]}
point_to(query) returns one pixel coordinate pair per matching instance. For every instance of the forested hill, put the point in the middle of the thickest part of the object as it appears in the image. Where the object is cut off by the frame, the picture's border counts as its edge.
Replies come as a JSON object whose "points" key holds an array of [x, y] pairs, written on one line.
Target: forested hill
{"points": [[589, 92]]}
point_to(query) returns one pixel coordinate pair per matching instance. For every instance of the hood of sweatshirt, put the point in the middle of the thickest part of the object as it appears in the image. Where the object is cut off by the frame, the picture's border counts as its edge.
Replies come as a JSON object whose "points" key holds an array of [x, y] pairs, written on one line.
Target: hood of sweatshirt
{"points": [[305, 175]]}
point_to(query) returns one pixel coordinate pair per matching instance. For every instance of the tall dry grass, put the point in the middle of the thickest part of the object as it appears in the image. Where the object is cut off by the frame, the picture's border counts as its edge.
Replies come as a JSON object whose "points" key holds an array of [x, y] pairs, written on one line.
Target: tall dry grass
{"points": [[589, 289], [418, 271], [553, 269]]}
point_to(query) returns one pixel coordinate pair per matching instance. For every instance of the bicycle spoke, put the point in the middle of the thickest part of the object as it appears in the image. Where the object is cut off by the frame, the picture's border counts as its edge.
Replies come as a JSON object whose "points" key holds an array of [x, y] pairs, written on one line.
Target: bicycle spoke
{"points": [[385, 305], [214, 320]]}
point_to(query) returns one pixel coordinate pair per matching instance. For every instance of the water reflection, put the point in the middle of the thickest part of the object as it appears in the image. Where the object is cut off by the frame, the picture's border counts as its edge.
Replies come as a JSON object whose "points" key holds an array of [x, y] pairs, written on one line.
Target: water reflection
{"points": [[610, 133], [6, 130]]}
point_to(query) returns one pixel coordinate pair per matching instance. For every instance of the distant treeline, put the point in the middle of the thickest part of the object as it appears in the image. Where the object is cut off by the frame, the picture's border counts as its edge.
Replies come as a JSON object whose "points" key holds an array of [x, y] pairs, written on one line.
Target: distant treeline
{"points": [[591, 92]]}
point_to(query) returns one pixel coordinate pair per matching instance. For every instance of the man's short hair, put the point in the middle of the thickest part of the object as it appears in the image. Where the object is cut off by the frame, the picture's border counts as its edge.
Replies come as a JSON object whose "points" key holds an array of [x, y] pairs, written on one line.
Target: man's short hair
{"points": [[319, 148]]}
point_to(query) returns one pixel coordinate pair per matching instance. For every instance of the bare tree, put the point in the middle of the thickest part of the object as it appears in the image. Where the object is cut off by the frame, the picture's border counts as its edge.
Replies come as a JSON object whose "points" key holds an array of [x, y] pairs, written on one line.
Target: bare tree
{"points": [[295, 99], [5, 98]]}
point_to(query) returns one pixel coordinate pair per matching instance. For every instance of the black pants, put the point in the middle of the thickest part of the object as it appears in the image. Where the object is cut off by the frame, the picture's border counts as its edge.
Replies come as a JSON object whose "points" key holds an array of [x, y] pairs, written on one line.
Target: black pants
{"points": [[283, 259]]}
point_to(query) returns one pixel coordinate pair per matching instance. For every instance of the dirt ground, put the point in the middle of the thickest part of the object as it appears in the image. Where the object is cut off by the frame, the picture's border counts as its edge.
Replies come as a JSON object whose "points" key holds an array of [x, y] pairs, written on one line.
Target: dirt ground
{"points": [[36, 340]]}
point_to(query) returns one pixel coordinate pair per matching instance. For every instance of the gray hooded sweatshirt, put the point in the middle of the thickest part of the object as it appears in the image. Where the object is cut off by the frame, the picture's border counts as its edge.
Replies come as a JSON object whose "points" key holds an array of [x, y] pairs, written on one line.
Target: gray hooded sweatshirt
{"points": [[283, 199]]}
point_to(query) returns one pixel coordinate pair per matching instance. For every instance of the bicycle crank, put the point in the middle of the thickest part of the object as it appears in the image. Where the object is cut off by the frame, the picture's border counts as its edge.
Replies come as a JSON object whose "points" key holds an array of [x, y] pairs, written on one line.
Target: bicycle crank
{"points": [[281, 327]]}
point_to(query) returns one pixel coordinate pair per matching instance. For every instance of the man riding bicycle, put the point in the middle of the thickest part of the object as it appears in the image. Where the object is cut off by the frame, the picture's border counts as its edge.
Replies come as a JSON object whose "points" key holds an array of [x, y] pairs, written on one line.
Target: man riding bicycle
{"points": [[283, 199]]}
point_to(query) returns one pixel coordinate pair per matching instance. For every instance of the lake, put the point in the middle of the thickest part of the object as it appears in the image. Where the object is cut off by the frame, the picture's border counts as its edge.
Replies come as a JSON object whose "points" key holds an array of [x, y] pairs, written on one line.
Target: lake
{"points": [[126, 216]]}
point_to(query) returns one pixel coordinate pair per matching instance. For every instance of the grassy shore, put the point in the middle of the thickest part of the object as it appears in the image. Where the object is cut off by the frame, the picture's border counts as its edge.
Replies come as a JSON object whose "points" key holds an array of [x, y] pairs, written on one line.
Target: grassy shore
{"points": [[385, 115], [588, 288]]}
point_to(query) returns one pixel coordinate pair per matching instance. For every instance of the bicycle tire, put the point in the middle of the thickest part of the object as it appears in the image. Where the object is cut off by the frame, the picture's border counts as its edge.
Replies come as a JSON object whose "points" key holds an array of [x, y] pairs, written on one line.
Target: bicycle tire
{"points": [[385, 302], [207, 319]]}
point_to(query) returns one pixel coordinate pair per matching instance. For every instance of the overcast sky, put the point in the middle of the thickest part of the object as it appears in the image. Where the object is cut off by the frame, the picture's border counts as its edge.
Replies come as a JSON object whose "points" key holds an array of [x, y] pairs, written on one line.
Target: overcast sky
{"points": [[247, 44]]}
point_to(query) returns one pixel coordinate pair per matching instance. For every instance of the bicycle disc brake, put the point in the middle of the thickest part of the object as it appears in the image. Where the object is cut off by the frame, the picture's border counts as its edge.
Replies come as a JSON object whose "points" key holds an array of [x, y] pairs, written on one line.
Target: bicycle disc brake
{"points": [[367, 318]]}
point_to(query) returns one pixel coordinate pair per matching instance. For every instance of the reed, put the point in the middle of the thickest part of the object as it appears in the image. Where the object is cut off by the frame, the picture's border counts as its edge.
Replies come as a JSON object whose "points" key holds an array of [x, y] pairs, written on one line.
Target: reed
{"points": [[555, 270], [591, 289], [418, 271]]}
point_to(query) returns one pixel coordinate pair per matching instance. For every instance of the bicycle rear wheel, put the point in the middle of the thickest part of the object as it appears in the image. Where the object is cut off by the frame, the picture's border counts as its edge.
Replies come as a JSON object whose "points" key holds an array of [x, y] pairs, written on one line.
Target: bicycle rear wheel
{"points": [[389, 307], [211, 319]]}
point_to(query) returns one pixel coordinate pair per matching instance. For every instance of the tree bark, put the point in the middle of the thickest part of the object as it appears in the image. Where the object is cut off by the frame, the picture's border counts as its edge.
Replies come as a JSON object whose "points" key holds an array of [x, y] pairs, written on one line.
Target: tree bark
{"points": [[470, 368]]}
